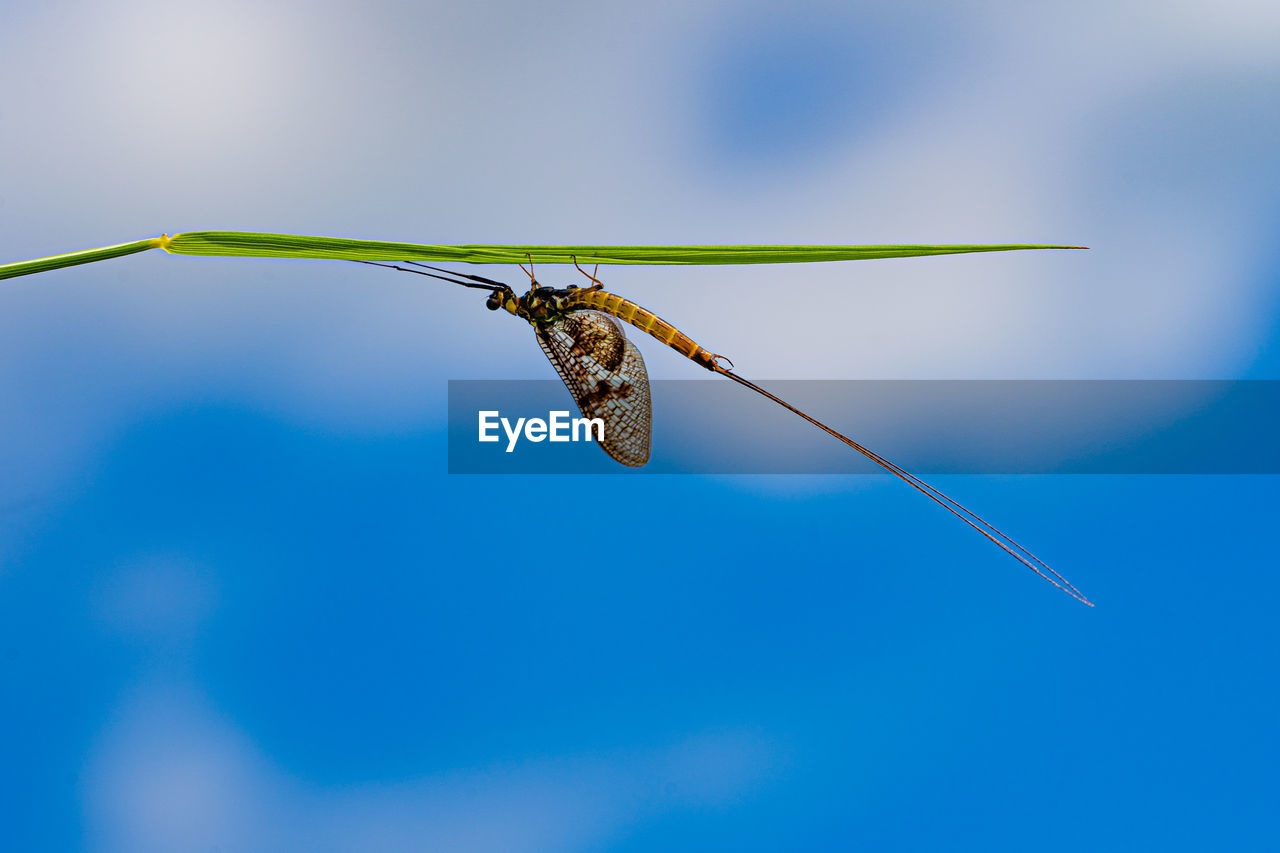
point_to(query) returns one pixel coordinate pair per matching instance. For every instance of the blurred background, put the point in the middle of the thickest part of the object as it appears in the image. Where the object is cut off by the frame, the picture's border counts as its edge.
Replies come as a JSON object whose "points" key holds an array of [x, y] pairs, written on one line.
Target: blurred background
{"points": [[243, 606]]}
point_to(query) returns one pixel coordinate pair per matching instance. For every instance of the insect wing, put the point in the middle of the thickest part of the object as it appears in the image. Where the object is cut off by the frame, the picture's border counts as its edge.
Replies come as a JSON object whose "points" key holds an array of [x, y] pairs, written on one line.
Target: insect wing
{"points": [[606, 375]]}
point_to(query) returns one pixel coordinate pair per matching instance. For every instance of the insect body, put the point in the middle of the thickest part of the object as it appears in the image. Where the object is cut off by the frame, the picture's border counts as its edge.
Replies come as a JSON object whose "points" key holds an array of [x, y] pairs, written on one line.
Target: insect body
{"points": [[579, 330]]}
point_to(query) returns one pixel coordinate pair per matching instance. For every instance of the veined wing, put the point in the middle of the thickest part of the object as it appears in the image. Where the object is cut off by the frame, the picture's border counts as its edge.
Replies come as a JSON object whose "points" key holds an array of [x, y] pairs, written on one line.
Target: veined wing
{"points": [[605, 373]]}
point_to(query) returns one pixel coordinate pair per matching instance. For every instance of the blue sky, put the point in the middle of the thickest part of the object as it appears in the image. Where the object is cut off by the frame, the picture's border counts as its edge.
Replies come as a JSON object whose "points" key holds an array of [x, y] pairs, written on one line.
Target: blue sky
{"points": [[243, 605]]}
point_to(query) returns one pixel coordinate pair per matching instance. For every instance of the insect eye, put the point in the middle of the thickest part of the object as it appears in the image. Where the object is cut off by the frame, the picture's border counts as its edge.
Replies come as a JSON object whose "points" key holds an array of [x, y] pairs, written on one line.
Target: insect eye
{"points": [[494, 302]]}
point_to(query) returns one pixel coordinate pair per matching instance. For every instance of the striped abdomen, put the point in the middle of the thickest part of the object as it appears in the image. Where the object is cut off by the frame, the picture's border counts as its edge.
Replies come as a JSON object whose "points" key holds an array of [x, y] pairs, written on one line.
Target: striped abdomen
{"points": [[644, 320]]}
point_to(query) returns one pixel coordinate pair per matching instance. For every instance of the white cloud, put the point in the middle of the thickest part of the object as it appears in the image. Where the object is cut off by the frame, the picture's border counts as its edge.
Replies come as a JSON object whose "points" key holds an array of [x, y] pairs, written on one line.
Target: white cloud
{"points": [[170, 773], [157, 596]]}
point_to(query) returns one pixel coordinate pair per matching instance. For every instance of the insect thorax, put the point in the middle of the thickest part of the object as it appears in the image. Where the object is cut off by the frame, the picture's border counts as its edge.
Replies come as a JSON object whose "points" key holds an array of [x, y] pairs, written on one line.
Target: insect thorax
{"points": [[543, 305]]}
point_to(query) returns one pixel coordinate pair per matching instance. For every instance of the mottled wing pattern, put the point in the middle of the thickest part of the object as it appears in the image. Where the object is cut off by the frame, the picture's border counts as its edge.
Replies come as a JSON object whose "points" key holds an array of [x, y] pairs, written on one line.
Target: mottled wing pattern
{"points": [[605, 373]]}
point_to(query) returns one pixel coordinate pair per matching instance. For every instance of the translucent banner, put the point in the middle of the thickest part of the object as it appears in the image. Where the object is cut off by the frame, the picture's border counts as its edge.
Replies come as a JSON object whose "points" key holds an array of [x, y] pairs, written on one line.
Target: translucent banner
{"points": [[926, 426]]}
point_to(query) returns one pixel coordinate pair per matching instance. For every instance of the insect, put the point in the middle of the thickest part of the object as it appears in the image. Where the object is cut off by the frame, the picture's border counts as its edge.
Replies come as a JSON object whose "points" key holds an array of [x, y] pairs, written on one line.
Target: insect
{"points": [[579, 330]]}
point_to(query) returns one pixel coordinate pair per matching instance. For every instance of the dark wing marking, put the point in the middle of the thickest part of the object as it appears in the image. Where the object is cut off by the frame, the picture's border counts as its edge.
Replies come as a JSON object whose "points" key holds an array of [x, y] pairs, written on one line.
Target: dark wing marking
{"points": [[605, 373]]}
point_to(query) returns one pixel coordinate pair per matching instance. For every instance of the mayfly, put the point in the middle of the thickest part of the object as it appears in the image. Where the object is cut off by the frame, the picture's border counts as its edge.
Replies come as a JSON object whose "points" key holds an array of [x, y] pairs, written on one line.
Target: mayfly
{"points": [[579, 330]]}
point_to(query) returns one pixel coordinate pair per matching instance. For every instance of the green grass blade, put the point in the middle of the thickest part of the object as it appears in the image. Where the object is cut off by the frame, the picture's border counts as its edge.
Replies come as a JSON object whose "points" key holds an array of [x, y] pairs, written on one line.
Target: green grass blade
{"points": [[260, 245], [72, 259], [253, 244]]}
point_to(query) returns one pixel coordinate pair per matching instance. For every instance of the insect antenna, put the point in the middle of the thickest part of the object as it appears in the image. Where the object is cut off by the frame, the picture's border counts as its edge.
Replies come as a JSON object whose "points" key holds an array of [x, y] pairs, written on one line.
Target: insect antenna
{"points": [[1019, 553], [457, 274], [489, 284]]}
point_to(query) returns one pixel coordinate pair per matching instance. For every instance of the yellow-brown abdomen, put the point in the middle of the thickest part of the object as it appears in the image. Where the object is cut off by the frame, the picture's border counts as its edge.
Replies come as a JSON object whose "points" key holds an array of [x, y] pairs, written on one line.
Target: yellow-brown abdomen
{"points": [[646, 321]]}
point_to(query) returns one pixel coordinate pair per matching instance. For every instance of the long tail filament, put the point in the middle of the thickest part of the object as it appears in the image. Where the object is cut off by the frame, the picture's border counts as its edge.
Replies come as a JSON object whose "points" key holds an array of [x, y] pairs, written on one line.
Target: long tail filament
{"points": [[1019, 553]]}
